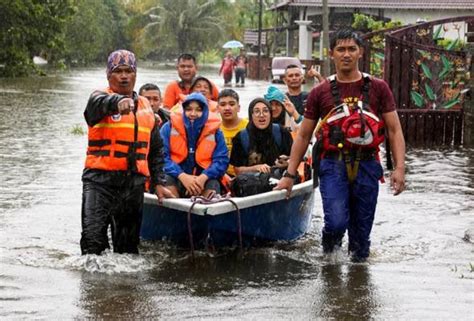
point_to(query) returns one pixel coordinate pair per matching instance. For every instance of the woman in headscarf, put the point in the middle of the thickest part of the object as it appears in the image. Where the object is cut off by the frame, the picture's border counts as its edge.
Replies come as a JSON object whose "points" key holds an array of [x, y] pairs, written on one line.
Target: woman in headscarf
{"points": [[257, 147], [283, 110]]}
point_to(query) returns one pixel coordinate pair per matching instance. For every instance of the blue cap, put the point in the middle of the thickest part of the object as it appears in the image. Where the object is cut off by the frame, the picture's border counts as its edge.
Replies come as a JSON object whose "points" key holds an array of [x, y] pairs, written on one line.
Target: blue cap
{"points": [[273, 93]]}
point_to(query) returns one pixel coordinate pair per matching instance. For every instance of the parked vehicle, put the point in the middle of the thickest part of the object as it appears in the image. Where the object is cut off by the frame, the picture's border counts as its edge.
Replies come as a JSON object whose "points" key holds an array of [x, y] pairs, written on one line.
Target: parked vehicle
{"points": [[280, 63], [266, 217]]}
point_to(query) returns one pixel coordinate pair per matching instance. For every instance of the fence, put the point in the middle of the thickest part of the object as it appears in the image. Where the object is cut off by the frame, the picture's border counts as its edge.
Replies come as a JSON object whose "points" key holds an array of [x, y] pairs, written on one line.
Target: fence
{"points": [[428, 80]]}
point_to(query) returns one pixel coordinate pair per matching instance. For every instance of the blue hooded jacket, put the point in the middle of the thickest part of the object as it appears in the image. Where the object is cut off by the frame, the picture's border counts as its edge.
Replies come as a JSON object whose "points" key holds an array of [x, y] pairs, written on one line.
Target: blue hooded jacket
{"points": [[220, 158]]}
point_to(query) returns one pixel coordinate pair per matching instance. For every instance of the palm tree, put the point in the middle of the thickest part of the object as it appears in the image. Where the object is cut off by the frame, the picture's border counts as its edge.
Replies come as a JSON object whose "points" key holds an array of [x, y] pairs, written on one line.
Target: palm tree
{"points": [[184, 25]]}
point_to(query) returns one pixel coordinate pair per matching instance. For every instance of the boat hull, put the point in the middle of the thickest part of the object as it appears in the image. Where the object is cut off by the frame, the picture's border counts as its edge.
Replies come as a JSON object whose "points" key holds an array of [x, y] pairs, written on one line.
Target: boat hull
{"points": [[266, 217]]}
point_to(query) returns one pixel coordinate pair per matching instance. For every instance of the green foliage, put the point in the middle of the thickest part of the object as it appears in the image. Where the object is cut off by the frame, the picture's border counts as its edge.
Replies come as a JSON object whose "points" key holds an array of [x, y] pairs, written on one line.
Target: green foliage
{"points": [[366, 23], [429, 92], [441, 75], [96, 29], [437, 32], [417, 98], [78, 130], [426, 71], [451, 103], [450, 44], [176, 26], [209, 56], [29, 28]]}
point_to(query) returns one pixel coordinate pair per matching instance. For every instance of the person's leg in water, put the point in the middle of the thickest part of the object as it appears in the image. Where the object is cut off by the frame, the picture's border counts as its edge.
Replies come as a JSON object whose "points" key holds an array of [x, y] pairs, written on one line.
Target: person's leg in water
{"points": [[364, 194], [334, 190]]}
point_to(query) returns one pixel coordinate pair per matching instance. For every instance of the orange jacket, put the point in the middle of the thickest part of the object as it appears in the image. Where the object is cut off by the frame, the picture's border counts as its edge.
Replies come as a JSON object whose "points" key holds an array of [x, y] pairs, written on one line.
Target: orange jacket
{"points": [[205, 144], [111, 139]]}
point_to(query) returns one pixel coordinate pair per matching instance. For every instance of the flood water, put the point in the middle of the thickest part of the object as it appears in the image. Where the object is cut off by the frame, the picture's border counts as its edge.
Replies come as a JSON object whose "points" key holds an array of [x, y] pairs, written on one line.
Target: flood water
{"points": [[421, 264]]}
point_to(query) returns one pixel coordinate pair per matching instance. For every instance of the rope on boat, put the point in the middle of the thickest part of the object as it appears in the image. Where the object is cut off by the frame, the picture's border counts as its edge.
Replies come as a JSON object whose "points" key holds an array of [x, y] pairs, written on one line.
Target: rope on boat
{"points": [[213, 199]]}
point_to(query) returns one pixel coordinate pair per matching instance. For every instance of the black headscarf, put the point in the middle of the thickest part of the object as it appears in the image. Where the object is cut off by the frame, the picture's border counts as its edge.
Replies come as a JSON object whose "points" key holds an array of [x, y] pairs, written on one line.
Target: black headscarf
{"points": [[261, 140]]}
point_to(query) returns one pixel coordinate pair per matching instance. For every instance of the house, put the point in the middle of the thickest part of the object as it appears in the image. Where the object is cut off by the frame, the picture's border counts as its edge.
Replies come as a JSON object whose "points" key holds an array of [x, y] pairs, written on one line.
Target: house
{"points": [[304, 16]]}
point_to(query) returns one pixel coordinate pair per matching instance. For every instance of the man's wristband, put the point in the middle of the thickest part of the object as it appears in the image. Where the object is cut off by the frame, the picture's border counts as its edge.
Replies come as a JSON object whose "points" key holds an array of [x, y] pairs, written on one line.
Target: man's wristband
{"points": [[286, 174]]}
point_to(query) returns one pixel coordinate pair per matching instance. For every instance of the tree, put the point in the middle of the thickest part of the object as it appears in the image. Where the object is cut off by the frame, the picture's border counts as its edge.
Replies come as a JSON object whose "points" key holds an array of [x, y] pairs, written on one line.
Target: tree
{"points": [[96, 29], [177, 26], [29, 28]]}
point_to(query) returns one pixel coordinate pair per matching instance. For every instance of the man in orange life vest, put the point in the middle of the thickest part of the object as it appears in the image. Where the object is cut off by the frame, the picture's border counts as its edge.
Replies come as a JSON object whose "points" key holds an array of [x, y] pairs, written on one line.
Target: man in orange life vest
{"points": [[124, 148], [186, 66], [196, 156], [352, 108]]}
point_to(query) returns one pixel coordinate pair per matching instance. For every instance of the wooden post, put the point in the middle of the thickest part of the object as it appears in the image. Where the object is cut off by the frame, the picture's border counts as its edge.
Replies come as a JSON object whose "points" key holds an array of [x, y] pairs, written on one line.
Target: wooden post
{"points": [[259, 55], [469, 104], [326, 61]]}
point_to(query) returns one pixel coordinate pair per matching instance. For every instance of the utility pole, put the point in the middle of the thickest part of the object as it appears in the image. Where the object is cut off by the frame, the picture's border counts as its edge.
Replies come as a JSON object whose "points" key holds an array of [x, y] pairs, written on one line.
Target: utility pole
{"points": [[326, 62], [259, 55]]}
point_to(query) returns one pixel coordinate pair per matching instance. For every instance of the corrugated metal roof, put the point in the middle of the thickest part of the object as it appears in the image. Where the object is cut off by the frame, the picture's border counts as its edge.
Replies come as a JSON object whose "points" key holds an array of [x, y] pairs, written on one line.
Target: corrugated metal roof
{"points": [[384, 4]]}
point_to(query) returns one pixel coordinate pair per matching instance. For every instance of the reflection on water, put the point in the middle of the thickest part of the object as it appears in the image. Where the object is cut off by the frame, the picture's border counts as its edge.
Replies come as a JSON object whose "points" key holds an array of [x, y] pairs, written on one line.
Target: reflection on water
{"points": [[346, 292], [420, 266]]}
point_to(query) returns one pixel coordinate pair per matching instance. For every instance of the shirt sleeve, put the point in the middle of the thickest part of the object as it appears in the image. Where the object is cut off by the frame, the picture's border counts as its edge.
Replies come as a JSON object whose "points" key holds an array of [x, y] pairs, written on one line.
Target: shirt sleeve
{"points": [[171, 168], [385, 98], [99, 105], [156, 161], [169, 99]]}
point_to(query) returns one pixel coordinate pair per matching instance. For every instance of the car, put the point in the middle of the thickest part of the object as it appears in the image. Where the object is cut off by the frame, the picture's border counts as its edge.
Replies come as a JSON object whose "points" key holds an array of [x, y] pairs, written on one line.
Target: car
{"points": [[280, 63]]}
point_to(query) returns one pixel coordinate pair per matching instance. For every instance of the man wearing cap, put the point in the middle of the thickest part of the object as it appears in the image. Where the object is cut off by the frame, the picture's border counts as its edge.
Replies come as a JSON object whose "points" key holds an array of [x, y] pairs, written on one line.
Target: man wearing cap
{"points": [[124, 148]]}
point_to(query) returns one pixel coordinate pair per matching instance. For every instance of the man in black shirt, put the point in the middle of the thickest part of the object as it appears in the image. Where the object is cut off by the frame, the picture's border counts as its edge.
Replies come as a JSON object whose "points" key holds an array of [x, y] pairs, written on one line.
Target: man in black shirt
{"points": [[294, 81]]}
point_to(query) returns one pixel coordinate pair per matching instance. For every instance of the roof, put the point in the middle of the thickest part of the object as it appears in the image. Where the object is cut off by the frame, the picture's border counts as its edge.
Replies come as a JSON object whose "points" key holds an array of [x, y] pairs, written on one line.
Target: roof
{"points": [[382, 4]]}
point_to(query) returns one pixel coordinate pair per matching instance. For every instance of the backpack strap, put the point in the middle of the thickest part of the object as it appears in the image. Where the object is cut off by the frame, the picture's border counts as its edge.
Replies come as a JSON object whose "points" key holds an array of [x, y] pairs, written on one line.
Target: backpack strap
{"points": [[276, 132], [245, 140], [334, 90], [366, 88]]}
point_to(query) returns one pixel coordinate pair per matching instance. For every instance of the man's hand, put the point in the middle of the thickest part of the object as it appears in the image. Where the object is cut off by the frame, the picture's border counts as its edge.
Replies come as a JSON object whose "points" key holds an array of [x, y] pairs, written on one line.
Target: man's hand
{"points": [[313, 73], [189, 183], [162, 193], [200, 181], [397, 181], [262, 168], [285, 183], [290, 108], [125, 106]]}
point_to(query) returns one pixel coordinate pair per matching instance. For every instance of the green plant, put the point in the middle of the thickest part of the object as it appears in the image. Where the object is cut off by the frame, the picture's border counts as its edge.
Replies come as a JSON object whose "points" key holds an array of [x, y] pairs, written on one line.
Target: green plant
{"points": [[209, 56], [78, 130]]}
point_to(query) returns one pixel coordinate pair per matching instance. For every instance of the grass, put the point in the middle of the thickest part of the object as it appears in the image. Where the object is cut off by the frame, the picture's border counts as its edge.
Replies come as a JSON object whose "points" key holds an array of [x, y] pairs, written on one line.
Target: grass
{"points": [[77, 129]]}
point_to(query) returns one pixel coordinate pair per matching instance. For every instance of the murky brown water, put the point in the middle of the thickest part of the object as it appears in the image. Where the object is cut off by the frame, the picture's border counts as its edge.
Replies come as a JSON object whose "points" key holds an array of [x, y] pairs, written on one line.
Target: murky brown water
{"points": [[420, 266]]}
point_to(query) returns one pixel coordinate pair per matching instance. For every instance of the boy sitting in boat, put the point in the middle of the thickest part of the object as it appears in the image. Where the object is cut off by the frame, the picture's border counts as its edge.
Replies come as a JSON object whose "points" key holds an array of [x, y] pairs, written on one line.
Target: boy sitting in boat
{"points": [[229, 107], [194, 149]]}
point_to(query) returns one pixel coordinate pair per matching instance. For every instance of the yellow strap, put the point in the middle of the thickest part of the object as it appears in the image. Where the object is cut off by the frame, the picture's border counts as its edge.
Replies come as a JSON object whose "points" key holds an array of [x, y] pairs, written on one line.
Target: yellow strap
{"points": [[123, 125]]}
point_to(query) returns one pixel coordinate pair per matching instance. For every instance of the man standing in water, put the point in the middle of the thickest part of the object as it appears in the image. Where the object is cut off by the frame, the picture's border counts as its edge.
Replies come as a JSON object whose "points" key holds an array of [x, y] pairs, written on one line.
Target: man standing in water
{"points": [[348, 139], [124, 148], [187, 70]]}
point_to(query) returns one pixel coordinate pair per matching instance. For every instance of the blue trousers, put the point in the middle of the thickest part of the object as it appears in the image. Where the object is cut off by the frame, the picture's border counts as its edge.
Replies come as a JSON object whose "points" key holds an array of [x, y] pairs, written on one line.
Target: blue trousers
{"points": [[349, 206]]}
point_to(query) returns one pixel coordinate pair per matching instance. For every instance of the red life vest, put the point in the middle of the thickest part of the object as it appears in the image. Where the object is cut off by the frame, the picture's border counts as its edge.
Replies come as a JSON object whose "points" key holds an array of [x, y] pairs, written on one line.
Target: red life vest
{"points": [[205, 145], [348, 128], [121, 142]]}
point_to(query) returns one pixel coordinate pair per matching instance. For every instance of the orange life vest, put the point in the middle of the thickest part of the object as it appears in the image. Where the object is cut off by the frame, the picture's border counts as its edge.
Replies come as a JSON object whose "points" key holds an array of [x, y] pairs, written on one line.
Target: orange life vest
{"points": [[205, 144], [112, 141]]}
